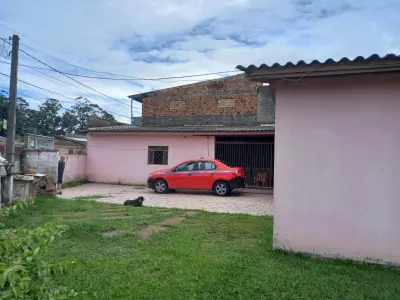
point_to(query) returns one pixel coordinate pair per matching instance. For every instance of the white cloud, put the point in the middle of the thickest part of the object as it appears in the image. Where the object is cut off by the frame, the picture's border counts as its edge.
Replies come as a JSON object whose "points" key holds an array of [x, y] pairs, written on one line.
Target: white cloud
{"points": [[163, 38]]}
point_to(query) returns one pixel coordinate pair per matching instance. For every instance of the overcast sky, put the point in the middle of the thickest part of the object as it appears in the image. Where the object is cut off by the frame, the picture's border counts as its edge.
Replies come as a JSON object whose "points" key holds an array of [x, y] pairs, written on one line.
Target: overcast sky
{"points": [[165, 38]]}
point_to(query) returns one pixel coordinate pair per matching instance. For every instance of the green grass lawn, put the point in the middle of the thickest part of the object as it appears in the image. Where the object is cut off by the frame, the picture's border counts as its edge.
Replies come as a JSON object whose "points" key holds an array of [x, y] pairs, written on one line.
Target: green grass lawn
{"points": [[206, 256]]}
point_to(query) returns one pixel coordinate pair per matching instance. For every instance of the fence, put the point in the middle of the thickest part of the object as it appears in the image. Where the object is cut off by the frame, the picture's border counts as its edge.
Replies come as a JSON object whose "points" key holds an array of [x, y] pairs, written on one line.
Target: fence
{"points": [[256, 156]]}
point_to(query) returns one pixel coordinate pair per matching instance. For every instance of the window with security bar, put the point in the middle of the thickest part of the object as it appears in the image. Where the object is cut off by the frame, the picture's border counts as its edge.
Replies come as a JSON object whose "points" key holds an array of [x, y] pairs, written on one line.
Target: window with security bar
{"points": [[158, 155]]}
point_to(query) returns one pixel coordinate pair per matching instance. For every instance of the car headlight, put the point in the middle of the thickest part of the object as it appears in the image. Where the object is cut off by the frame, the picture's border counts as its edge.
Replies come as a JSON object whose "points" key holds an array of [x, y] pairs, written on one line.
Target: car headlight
{"points": [[150, 175]]}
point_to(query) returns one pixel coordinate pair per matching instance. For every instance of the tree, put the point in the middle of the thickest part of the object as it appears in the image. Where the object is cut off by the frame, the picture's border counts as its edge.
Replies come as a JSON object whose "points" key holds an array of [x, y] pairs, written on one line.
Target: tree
{"points": [[24, 115], [49, 118], [69, 122], [24, 120], [84, 109]]}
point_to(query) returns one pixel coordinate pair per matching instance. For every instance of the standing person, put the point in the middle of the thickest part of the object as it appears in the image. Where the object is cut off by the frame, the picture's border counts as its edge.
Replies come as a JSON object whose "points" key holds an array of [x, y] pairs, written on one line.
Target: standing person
{"points": [[61, 168]]}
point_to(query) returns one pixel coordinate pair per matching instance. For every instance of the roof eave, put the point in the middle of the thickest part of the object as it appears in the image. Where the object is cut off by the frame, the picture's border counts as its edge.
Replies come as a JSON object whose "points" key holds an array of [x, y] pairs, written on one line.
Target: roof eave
{"points": [[266, 74], [82, 143]]}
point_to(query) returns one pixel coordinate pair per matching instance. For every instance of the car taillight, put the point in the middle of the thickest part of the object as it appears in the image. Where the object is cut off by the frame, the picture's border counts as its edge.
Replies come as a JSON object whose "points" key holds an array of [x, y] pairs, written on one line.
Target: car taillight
{"points": [[238, 173]]}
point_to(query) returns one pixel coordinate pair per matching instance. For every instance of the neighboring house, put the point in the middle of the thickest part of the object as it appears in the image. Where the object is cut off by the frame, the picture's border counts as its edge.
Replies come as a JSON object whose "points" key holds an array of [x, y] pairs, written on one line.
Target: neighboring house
{"points": [[231, 119], [70, 144], [337, 164]]}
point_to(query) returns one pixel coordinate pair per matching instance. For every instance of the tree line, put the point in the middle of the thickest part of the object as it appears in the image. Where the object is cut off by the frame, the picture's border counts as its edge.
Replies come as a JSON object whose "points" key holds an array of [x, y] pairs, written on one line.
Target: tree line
{"points": [[51, 118]]}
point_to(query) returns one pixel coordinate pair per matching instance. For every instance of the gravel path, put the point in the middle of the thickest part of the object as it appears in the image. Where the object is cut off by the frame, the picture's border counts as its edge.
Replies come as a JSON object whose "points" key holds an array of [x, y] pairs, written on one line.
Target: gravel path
{"points": [[253, 202]]}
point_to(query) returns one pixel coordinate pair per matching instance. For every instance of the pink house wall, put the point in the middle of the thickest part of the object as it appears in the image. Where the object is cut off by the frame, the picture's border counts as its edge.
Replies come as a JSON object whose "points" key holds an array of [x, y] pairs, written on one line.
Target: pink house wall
{"points": [[75, 167], [337, 167], [122, 158]]}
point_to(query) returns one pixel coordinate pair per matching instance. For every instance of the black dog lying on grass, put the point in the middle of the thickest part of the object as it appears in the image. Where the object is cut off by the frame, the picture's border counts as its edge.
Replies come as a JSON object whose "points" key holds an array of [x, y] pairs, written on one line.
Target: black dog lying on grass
{"points": [[137, 202]]}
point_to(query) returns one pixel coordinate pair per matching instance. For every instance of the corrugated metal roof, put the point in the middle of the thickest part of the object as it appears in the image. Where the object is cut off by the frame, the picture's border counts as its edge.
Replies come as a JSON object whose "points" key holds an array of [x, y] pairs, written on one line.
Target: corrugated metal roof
{"points": [[200, 129], [345, 61]]}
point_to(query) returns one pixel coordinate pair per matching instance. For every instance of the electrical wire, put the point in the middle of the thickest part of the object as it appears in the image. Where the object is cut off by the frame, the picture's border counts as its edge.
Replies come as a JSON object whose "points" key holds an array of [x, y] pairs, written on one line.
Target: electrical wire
{"points": [[120, 75], [29, 89], [53, 79], [37, 42], [4, 51], [55, 93], [26, 53], [72, 88], [127, 76], [161, 79]]}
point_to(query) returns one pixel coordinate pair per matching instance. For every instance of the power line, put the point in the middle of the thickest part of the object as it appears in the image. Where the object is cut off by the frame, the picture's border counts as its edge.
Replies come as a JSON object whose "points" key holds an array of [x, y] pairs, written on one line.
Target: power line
{"points": [[108, 78], [127, 76], [5, 26], [29, 89], [5, 52], [53, 79], [38, 87], [46, 96], [131, 78], [68, 63], [90, 70], [26, 53]]}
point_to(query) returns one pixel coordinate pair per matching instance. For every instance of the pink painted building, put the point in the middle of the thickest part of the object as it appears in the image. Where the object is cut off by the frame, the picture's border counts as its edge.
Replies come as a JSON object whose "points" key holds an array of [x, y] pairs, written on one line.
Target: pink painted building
{"points": [[128, 154], [337, 162], [75, 167], [231, 119]]}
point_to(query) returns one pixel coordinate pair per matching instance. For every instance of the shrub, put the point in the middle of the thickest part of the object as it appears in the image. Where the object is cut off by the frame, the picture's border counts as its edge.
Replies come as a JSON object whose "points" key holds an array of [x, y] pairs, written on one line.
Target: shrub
{"points": [[24, 273]]}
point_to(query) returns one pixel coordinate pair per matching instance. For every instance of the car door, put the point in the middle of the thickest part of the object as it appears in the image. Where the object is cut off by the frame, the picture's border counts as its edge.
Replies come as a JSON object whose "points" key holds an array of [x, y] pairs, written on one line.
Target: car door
{"points": [[206, 175], [179, 177], [196, 176]]}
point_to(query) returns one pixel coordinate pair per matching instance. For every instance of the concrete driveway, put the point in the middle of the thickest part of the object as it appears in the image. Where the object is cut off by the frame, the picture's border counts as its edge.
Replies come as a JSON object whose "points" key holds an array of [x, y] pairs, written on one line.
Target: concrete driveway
{"points": [[246, 201]]}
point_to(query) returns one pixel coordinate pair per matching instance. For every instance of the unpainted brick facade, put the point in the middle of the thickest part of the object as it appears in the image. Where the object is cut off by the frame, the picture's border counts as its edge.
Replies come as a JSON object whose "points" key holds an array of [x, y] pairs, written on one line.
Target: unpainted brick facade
{"points": [[229, 101]]}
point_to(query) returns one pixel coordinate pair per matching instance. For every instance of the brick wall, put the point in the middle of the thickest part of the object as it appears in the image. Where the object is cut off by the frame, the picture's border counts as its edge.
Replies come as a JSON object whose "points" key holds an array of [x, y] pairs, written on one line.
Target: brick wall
{"points": [[228, 101]]}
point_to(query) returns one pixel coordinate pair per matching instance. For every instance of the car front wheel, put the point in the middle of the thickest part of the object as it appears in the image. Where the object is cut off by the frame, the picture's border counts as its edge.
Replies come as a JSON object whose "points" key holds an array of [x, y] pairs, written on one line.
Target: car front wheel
{"points": [[221, 188], [160, 186]]}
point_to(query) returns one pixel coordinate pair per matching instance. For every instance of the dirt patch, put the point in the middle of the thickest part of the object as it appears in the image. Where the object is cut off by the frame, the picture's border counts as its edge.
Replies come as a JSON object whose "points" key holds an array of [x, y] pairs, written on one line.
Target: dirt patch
{"points": [[173, 221], [112, 233], [148, 231]]}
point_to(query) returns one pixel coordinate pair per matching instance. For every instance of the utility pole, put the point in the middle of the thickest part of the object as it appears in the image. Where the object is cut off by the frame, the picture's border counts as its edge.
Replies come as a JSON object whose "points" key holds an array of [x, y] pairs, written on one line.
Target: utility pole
{"points": [[11, 122]]}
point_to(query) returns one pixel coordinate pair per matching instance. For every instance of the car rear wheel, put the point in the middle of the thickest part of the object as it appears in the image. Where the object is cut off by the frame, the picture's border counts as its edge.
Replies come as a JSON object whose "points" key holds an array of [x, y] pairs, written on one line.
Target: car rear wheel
{"points": [[221, 188], [160, 186]]}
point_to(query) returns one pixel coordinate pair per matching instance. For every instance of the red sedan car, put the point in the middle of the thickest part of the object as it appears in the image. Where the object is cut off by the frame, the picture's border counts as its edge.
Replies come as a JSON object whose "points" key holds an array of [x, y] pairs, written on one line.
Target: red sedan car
{"points": [[199, 174]]}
